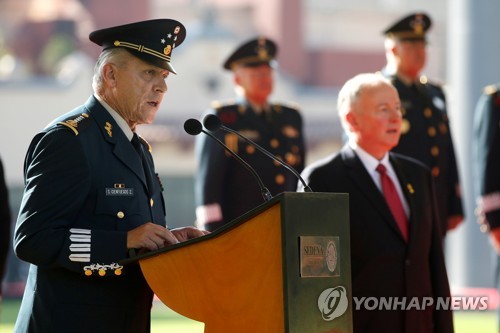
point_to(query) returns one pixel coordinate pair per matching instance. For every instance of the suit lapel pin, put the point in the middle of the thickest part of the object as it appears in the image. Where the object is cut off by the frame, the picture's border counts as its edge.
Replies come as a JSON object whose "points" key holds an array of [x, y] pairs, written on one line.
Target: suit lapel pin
{"points": [[410, 188]]}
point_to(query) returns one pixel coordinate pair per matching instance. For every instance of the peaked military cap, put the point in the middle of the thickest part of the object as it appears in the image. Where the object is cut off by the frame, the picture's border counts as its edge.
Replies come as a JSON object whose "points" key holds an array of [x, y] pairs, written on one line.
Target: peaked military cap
{"points": [[152, 41], [254, 52], [411, 27]]}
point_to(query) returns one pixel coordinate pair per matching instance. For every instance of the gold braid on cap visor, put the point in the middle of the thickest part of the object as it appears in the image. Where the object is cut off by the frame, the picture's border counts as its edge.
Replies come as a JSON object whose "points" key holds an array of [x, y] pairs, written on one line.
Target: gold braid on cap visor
{"points": [[143, 49]]}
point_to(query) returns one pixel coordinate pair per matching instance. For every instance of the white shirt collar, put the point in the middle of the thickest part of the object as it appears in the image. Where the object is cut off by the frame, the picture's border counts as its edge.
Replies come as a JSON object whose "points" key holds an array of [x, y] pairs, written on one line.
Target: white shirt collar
{"points": [[370, 163], [368, 160]]}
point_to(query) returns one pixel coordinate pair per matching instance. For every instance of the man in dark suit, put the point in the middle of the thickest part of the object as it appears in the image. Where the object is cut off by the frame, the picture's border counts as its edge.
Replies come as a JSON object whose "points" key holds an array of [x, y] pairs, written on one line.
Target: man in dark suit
{"points": [[486, 163], [4, 226], [425, 128], [92, 195], [224, 189], [396, 248]]}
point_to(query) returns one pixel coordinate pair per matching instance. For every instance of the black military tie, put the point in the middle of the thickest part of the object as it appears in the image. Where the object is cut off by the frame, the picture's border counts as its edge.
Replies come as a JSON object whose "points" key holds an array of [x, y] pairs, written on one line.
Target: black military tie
{"points": [[136, 142]]}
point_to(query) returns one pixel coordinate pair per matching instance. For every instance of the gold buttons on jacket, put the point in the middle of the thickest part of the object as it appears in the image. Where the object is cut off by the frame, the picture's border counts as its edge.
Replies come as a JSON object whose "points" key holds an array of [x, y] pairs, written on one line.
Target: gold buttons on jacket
{"points": [[291, 158], [427, 113], [431, 131], [435, 151], [250, 149], [120, 214], [435, 171], [280, 179], [443, 128], [274, 143]]}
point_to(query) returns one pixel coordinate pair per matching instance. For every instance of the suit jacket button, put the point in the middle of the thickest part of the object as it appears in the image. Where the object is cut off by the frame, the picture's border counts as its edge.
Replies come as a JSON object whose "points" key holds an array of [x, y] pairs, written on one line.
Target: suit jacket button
{"points": [[120, 214]]}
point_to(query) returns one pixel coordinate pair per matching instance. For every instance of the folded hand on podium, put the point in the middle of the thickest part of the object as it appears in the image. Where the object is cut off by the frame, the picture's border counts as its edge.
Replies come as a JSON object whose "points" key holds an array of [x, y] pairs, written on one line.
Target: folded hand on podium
{"points": [[152, 236], [185, 233]]}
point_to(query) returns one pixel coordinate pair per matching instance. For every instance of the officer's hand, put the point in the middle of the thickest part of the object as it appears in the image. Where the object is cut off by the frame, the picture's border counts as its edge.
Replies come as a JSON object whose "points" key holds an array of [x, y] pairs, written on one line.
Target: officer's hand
{"points": [[495, 239], [185, 233], [454, 221], [150, 236]]}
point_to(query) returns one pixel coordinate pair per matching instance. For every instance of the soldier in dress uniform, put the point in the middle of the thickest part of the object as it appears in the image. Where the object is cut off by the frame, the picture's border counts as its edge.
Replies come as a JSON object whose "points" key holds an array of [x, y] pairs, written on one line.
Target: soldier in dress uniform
{"points": [[224, 189], [91, 193], [425, 130], [486, 163]]}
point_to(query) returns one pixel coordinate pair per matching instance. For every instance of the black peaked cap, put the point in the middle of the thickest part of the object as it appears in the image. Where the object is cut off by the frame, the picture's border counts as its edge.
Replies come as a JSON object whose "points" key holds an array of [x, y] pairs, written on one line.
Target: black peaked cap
{"points": [[254, 52], [411, 27], [152, 41]]}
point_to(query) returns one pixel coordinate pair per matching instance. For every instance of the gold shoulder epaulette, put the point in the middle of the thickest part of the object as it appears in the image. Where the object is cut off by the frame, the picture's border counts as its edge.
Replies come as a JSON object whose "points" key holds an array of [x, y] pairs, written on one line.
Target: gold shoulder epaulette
{"points": [[218, 104], [491, 89], [74, 122], [215, 104], [423, 79], [291, 105]]}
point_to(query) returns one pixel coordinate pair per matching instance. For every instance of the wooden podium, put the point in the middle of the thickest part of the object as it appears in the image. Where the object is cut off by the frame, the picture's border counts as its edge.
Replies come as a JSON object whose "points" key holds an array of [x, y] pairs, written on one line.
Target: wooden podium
{"points": [[282, 267]]}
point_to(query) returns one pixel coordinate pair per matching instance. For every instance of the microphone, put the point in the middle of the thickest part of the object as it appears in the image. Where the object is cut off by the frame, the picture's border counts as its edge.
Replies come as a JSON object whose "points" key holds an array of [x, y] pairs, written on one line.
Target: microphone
{"points": [[213, 123], [194, 127]]}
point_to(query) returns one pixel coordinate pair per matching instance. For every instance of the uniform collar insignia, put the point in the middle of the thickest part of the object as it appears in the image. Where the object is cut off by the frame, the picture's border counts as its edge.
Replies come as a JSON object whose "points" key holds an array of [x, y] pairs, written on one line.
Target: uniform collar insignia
{"points": [[108, 127]]}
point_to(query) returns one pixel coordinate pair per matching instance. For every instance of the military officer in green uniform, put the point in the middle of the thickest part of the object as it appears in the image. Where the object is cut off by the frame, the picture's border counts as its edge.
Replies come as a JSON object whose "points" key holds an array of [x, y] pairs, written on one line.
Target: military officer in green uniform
{"points": [[425, 130], [224, 189]]}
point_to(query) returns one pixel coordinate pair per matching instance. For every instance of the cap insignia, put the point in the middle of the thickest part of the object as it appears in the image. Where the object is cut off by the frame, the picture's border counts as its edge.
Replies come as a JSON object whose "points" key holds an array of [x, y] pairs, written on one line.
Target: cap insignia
{"points": [[261, 49], [418, 24], [167, 50]]}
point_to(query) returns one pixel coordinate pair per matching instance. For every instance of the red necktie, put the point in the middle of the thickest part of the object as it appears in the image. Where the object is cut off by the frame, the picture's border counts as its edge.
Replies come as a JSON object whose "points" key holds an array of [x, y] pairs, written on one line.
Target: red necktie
{"points": [[393, 201]]}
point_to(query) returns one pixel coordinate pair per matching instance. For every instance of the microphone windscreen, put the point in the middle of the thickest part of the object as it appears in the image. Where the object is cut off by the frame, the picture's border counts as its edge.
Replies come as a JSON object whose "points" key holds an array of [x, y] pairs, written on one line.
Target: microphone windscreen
{"points": [[192, 126], [212, 122]]}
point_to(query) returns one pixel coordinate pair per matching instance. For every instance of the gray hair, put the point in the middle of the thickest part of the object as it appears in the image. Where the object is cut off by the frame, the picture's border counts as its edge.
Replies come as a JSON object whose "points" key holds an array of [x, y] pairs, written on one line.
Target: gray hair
{"points": [[351, 90], [113, 55]]}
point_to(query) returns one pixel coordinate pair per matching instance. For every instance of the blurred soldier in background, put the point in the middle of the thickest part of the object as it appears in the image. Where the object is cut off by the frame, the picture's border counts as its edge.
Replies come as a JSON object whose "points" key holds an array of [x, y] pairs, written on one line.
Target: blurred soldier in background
{"points": [[425, 131], [224, 189], [486, 163]]}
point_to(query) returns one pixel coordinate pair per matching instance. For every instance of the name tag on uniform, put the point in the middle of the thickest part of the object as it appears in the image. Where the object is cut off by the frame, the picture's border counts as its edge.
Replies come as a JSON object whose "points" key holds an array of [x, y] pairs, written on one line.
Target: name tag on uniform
{"points": [[126, 192]]}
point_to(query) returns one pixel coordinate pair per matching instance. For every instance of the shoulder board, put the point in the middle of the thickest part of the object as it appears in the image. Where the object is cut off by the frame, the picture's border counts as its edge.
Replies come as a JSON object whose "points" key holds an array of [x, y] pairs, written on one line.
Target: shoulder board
{"points": [[219, 105], [491, 89], [76, 122], [425, 80], [287, 105], [145, 142]]}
